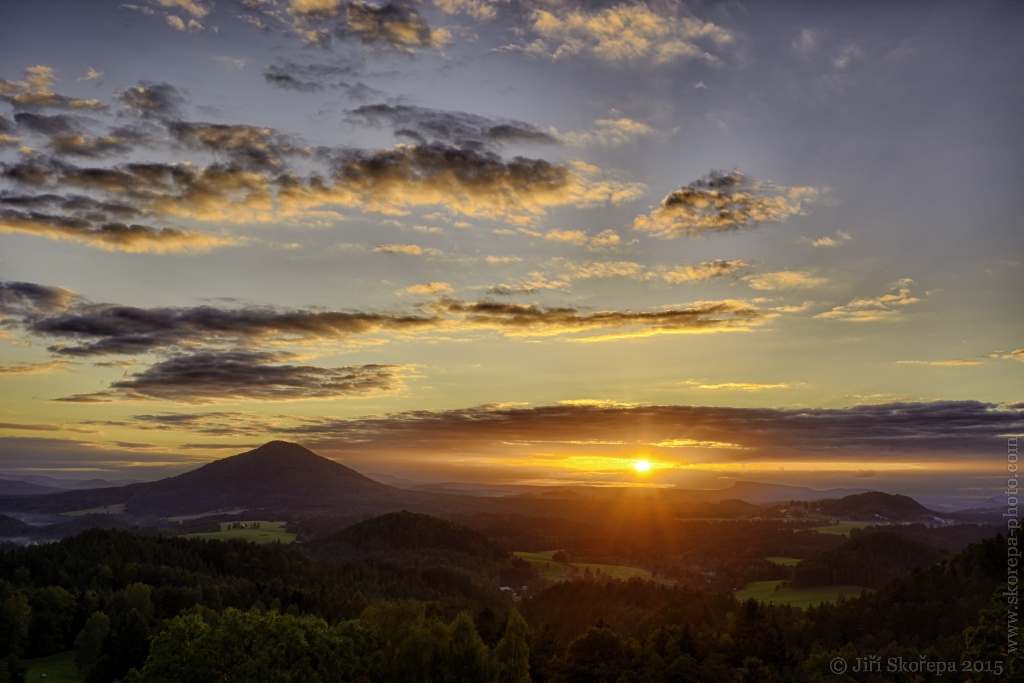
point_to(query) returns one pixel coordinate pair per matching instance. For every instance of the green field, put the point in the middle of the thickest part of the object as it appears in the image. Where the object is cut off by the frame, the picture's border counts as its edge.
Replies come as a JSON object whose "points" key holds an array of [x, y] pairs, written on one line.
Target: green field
{"points": [[785, 561], [269, 532], [59, 668], [764, 591], [188, 518], [562, 571], [841, 529], [106, 510]]}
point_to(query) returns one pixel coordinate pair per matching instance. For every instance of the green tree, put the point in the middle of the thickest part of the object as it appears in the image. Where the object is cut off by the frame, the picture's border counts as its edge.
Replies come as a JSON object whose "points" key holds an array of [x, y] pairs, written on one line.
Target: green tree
{"points": [[512, 655], [249, 647], [468, 657], [53, 608], [89, 643], [15, 621]]}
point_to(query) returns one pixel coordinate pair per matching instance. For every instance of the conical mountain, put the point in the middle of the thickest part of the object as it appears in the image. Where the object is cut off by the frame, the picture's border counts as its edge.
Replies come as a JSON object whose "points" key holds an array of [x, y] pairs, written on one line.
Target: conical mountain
{"points": [[276, 476]]}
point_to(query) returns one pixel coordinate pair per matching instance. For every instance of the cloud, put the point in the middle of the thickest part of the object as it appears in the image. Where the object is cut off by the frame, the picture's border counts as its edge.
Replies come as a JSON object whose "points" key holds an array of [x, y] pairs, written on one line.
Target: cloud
{"points": [[175, 22], [624, 33], [609, 133], [705, 270], [34, 368], [193, 7], [92, 74], [840, 238], [523, 320], [399, 27], [741, 386], [959, 362], [118, 142], [109, 329], [458, 128], [463, 180], [83, 329], [885, 307], [35, 92], [328, 7], [158, 100], [112, 236], [317, 77], [410, 249], [921, 431], [247, 376], [478, 9], [605, 269], [723, 202], [784, 279], [248, 147], [1017, 355], [25, 298], [55, 124], [429, 288]]}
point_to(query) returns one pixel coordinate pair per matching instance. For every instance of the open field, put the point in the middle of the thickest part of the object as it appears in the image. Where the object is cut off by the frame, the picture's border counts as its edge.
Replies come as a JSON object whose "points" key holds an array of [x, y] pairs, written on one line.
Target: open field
{"points": [[562, 571], [269, 532], [841, 529], [106, 510], [188, 518], [785, 561], [764, 591], [59, 668]]}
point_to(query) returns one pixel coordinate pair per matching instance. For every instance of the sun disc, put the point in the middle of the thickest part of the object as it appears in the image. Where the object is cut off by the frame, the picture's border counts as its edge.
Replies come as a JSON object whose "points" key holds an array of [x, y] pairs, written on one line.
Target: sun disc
{"points": [[642, 466]]}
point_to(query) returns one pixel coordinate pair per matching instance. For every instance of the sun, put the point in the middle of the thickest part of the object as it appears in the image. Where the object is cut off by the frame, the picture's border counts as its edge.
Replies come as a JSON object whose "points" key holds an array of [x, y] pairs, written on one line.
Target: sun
{"points": [[642, 466]]}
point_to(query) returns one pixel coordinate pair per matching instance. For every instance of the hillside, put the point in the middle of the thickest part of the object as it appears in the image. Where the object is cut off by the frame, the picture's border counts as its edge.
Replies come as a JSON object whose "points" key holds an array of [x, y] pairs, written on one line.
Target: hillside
{"points": [[870, 560], [407, 531], [276, 476]]}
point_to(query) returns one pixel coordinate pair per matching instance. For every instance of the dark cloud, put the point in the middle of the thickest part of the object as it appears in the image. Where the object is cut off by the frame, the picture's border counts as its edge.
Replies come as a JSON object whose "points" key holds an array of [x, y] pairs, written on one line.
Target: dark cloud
{"points": [[464, 180], [318, 77], [157, 100], [120, 142], [247, 375], [396, 26], [458, 128], [247, 146], [530, 319], [23, 298], [6, 127], [107, 235], [100, 329], [722, 202], [969, 429], [107, 329], [56, 124]]}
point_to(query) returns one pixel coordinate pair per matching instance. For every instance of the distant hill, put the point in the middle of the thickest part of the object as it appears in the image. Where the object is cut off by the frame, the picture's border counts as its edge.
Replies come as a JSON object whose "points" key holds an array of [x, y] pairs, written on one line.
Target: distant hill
{"points": [[755, 492], [869, 506], [68, 484], [278, 476], [22, 488]]}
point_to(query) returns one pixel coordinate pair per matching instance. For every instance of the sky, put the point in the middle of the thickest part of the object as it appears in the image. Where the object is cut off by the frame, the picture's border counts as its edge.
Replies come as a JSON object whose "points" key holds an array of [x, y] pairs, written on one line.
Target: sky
{"points": [[515, 241]]}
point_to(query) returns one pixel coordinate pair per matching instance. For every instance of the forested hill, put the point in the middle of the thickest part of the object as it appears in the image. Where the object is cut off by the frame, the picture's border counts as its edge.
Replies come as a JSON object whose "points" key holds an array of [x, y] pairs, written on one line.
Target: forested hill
{"points": [[870, 506], [407, 531], [869, 560]]}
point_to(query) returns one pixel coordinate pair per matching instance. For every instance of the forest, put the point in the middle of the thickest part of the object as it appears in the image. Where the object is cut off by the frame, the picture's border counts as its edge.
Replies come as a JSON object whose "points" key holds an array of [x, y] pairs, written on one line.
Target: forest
{"points": [[408, 597]]}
